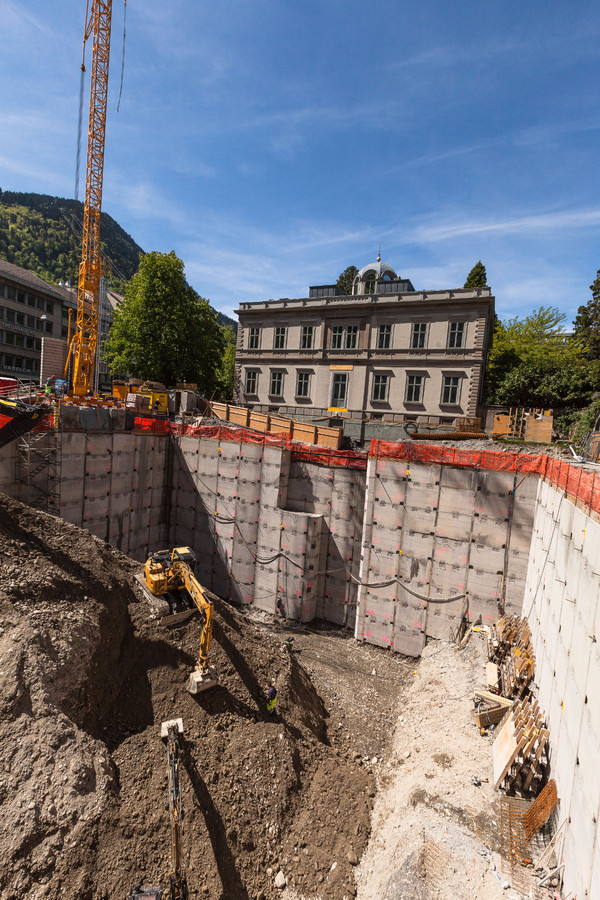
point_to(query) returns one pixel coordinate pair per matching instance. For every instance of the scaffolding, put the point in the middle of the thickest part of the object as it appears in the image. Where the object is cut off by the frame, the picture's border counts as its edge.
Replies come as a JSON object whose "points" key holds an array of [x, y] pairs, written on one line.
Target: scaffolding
{"points": [[38, 463]]}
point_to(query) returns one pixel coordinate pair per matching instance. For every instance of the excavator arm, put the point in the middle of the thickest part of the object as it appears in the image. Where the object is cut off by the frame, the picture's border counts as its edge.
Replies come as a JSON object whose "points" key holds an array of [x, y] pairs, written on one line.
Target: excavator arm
{"points": [[206, 609], [168, 571], [204, 675]]}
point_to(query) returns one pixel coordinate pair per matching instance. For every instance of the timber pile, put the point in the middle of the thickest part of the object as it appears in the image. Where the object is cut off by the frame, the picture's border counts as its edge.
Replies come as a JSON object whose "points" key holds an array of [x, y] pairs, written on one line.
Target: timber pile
{"points": [[519, 751], [490, 709], [510, 649]]}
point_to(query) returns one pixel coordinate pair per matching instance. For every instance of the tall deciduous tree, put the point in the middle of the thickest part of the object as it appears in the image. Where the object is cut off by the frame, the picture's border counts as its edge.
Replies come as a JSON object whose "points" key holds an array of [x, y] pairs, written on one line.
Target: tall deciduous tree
{"points": [[587, 322], [163, 330], [477, 277], [346, 279]]}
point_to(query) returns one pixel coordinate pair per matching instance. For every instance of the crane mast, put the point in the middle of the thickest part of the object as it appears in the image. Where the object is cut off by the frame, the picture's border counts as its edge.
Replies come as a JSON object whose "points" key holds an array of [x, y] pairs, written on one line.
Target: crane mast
{"points": [[85, 338]]}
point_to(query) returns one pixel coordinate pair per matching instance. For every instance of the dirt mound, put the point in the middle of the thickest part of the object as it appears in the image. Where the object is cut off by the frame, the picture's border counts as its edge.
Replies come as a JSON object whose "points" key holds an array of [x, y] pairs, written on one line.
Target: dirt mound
{"points": [[87, 679]]}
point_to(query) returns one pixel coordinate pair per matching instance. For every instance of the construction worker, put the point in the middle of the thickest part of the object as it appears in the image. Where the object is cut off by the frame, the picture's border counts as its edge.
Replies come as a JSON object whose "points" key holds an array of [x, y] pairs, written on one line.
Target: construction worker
{"points": [[271, 698]]}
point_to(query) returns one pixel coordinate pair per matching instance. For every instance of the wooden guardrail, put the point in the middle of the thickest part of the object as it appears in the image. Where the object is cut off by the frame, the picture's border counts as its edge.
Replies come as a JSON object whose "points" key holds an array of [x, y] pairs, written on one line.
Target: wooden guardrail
{"points": [[306, 432]]}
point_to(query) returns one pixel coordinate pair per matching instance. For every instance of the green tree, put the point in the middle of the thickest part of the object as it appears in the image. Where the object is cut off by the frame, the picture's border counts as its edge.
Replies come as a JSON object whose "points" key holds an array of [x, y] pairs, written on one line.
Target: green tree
{"points": [[587, 322], [517, 341], [227, 369], [534, 363], [163, 330], [346, 279], [477, 277]]}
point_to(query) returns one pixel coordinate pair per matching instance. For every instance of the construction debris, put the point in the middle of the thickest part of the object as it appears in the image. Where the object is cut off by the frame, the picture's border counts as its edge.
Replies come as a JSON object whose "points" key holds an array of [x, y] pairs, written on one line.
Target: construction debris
{"points": [[540, 810], [510, 648], [519, 749]]}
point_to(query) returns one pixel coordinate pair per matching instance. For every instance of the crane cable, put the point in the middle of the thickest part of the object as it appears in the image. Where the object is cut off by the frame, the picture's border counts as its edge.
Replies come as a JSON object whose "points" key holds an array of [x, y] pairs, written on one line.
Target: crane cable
{"points": [[123, 56], [80, 121]]}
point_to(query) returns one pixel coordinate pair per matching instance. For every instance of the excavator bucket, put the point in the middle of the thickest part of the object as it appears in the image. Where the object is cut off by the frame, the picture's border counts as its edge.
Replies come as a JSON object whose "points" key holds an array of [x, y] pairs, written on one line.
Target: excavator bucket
{"points": [[202, 681]]}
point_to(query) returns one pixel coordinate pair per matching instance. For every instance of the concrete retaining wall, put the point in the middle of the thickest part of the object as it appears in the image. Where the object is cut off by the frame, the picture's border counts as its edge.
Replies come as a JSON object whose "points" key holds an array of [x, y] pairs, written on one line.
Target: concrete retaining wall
{"points": [[443, 532], [562, 603], [297, 536]]}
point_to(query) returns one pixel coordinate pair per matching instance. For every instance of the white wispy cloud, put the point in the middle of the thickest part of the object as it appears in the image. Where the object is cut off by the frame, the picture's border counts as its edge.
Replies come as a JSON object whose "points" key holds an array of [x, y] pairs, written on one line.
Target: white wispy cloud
{"points": [[511, 225]]}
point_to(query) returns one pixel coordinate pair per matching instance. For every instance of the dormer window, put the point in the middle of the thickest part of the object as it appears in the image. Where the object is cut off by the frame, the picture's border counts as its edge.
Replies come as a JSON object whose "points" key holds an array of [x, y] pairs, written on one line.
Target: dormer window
{"points": [[369, 282]]}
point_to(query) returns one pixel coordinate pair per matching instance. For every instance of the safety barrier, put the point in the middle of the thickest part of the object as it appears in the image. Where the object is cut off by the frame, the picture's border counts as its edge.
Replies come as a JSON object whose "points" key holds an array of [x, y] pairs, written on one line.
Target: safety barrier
{"points": [[581, 484]]}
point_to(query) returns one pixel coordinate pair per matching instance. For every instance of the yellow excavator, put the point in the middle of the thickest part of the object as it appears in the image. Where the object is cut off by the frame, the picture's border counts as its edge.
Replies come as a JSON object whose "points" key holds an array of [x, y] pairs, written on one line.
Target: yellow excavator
{"points": [[170, 574], [178, 888]]}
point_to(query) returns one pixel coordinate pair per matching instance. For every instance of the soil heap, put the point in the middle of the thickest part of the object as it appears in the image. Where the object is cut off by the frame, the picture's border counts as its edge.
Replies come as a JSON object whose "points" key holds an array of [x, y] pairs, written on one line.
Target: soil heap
{"points": [[87, 678]]}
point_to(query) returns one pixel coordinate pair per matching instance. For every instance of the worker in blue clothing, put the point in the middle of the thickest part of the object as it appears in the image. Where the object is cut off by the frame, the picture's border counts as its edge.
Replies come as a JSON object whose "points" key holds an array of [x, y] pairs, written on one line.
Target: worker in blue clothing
{"points": [[271, 698]]}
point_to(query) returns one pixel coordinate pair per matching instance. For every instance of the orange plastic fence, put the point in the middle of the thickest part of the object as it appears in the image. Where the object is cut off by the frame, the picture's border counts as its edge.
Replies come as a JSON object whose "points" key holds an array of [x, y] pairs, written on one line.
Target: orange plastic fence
{"points": [[577, 482], [346, 459]]}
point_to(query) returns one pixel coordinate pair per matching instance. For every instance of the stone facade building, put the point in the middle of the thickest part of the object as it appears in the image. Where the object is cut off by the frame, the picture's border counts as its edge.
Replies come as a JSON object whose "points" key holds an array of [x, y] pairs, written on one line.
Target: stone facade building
{"points": [[31, 312], [385, 351], [34, 325]]}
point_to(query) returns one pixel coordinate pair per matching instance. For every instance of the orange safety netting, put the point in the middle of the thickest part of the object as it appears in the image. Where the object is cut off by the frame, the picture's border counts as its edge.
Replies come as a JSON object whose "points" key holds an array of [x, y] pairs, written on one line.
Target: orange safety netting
{"points": [[347, 459], [579, 483]]}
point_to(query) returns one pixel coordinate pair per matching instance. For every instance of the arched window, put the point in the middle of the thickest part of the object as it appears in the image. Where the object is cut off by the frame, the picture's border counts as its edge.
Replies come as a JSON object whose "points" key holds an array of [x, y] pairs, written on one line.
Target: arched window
{"points": [[369, 282]]}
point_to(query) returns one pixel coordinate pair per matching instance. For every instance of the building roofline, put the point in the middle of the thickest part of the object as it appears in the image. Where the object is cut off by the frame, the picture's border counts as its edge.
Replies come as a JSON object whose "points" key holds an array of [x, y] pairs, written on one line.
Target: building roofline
{"points": [[24, 276], [343, 301]]}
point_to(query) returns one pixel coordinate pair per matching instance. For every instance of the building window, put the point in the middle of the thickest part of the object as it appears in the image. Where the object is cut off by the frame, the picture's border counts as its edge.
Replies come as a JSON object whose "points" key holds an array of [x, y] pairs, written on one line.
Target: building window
{"points": [[351, 337], [337, 336], [381, 384], [50, 307], [11, 293], [20, 319], [370, 282], [384, 337], [414, 388], [10, 338], [450, 387], [339, 389], [48, 327], [419, 334], [276, 384], [254, 339], [10, 315], [31, 300], [456, 334], [279, 341], [303, 384], [21, 296], [251, 382], [307, 337], [345, 336]]}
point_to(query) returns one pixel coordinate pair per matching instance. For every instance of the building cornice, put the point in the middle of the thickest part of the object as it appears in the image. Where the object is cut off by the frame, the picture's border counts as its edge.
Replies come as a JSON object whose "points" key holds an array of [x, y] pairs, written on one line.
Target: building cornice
{"points": [[442, 298]]}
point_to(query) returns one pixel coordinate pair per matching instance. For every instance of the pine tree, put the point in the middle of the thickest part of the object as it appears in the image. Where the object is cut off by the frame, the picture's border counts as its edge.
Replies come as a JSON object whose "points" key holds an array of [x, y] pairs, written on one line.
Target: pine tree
{"points": [[477, 277], [346, 279], [587, 322]]}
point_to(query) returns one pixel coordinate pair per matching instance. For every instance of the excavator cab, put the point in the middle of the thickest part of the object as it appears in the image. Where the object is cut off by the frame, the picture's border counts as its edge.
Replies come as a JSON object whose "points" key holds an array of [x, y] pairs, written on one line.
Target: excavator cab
{"points": [[186, 555]]}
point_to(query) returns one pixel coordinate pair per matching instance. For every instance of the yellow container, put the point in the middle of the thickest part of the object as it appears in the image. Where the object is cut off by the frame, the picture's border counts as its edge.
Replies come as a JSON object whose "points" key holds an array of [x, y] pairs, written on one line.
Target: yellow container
{"points": [[159, 401]]}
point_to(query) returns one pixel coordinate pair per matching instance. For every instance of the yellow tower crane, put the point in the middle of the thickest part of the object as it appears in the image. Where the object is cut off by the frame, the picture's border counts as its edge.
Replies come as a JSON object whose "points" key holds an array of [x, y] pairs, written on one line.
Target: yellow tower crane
{"points": [[85, 338]]}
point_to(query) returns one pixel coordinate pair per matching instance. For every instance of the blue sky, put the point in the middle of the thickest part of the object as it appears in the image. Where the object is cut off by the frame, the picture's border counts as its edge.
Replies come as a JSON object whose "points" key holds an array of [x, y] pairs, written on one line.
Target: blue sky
{"points": [[272, 143]]}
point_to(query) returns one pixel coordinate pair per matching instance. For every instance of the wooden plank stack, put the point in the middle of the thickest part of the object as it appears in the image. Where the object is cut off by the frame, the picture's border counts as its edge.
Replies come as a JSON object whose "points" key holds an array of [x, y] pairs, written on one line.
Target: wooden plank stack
{"points": [[510, 648], [519, 751], [490, 709]]}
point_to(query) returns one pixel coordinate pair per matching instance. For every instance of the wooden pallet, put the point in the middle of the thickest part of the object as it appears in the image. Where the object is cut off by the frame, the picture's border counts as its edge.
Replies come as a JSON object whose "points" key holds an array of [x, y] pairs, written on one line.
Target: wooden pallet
{"points": [[519, 751], [511, 650]]}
